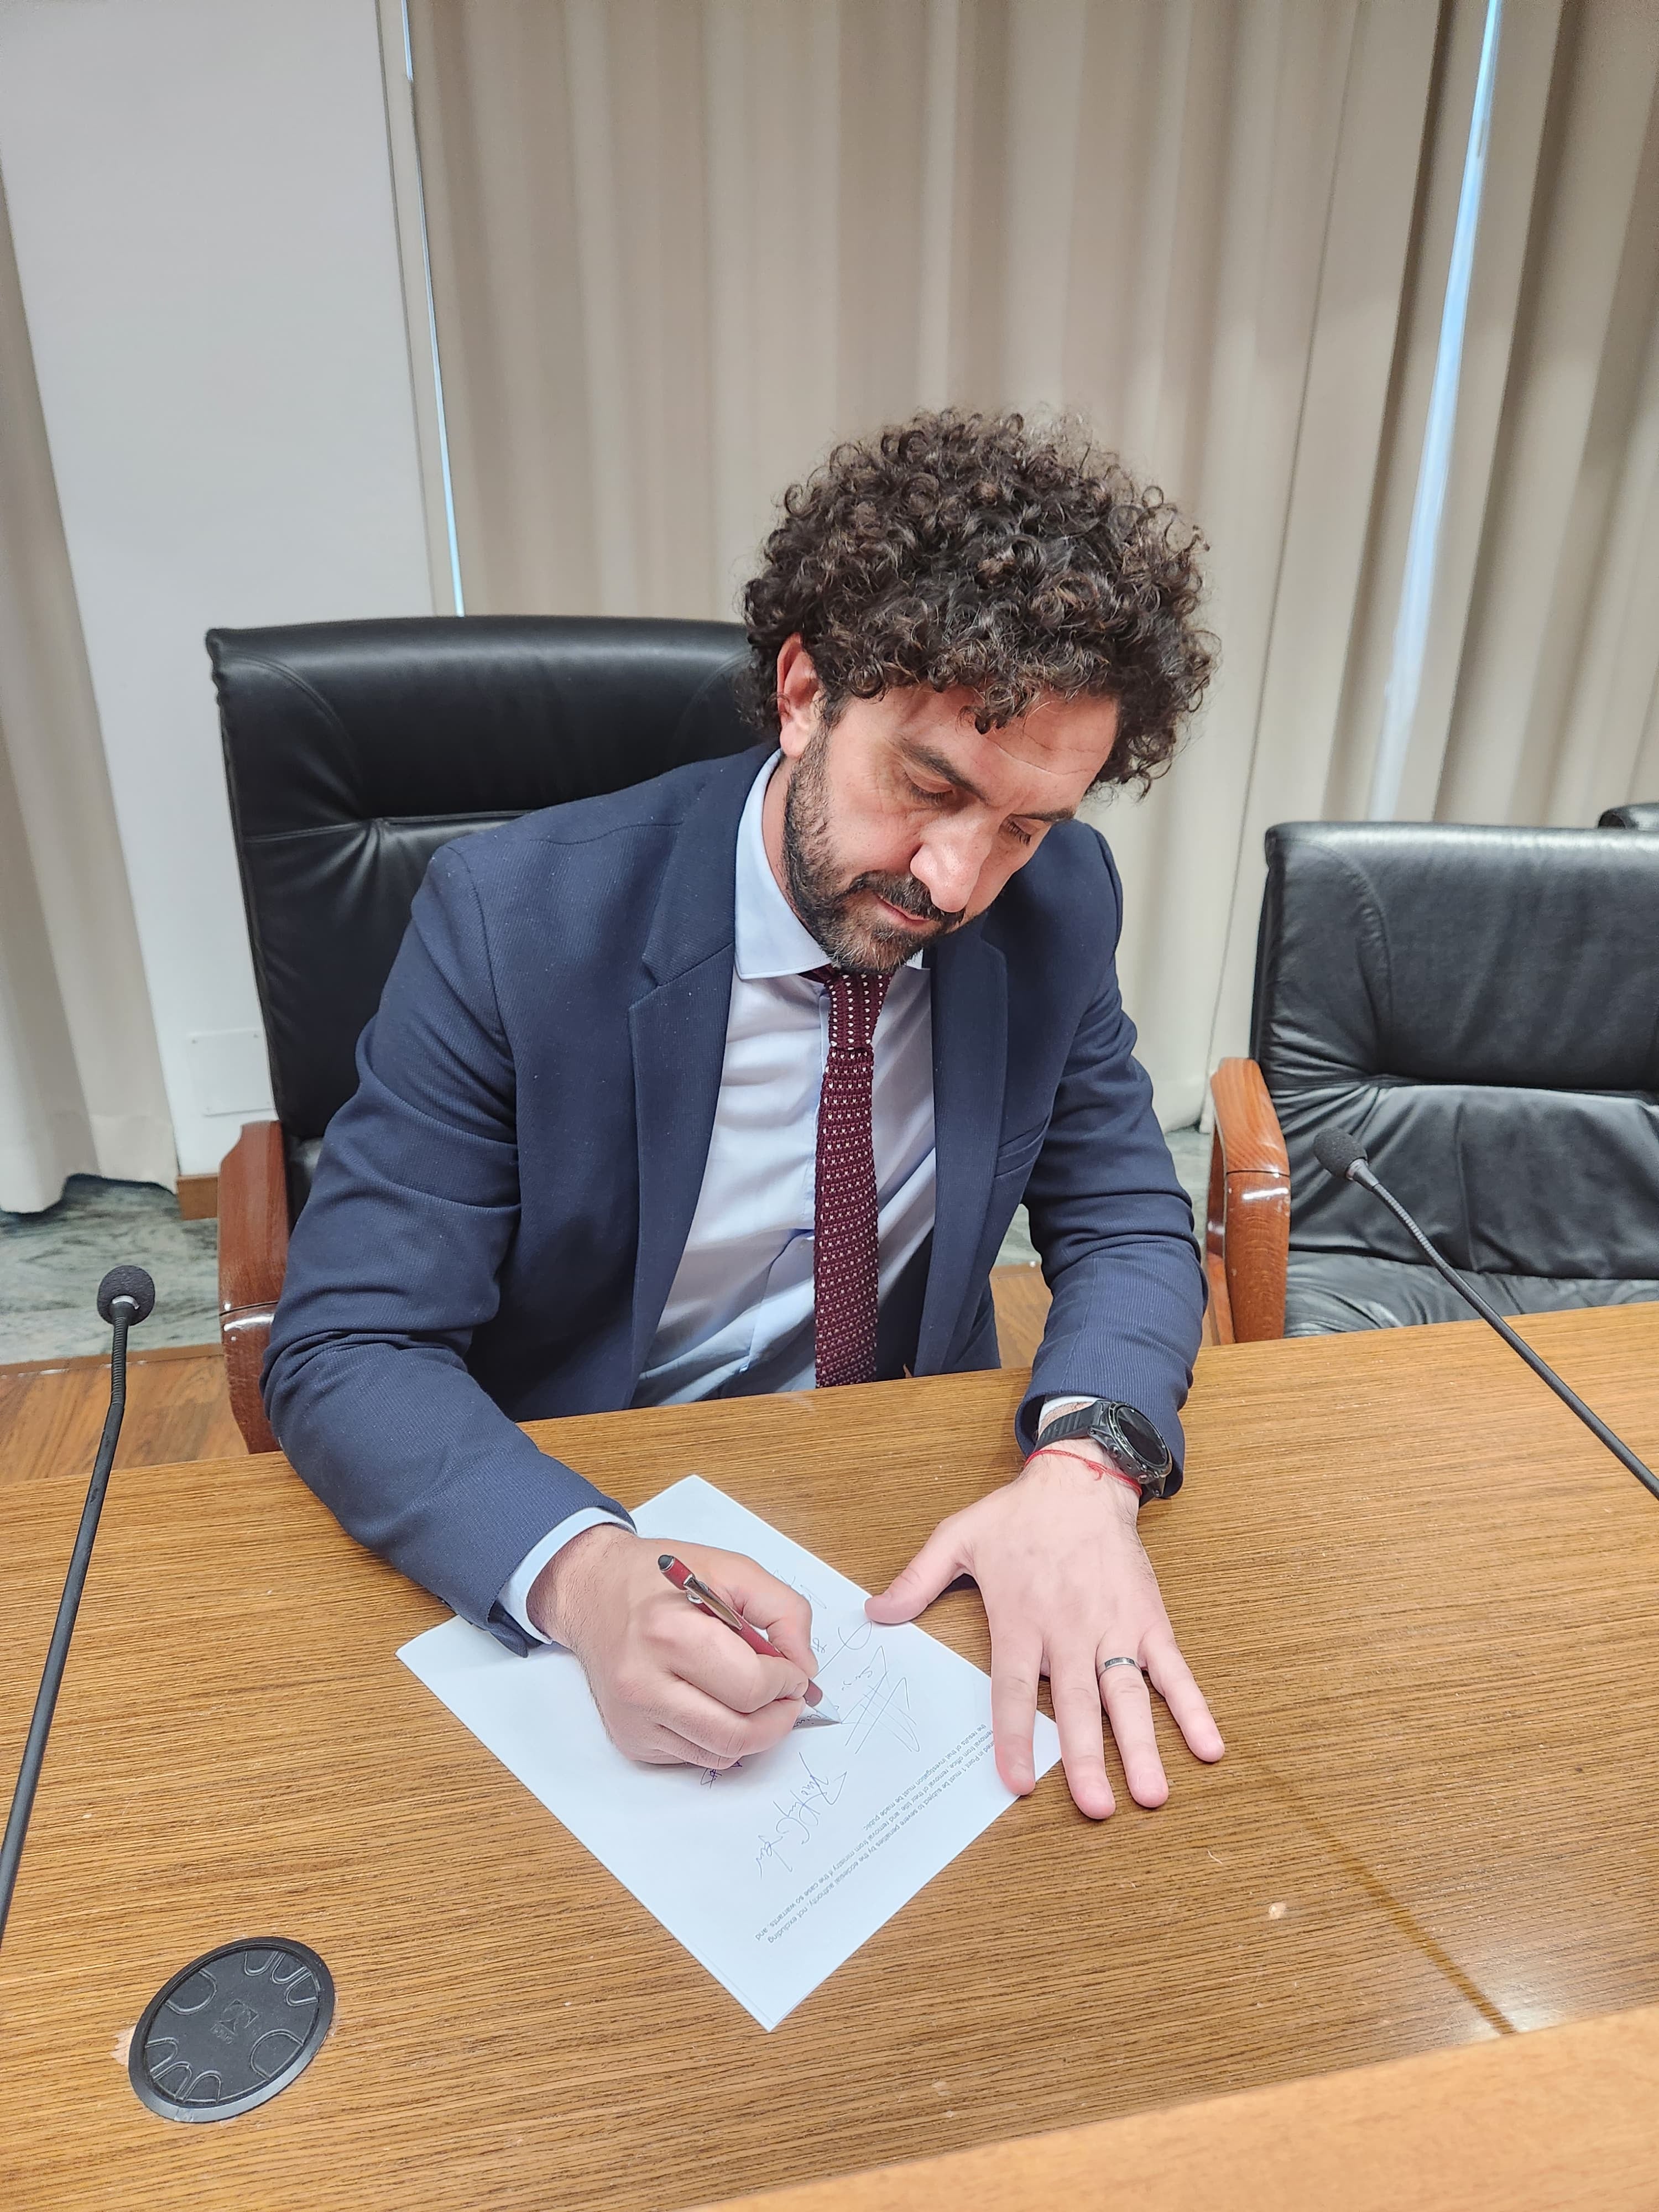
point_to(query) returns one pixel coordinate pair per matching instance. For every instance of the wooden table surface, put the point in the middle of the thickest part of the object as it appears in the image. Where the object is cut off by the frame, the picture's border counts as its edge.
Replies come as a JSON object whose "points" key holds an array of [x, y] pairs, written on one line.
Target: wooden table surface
{"points": [[1564, 2120], [1421, 1598]]}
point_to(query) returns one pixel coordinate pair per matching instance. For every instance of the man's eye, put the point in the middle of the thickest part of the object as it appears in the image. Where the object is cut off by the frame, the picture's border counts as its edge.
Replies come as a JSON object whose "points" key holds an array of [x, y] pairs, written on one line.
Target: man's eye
{"points": [[1023, 836], [930, 797]]}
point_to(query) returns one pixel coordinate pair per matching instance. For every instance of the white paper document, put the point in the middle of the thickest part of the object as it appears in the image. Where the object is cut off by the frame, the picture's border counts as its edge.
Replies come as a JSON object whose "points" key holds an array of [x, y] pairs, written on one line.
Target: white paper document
{"points": [[775, 1871]]}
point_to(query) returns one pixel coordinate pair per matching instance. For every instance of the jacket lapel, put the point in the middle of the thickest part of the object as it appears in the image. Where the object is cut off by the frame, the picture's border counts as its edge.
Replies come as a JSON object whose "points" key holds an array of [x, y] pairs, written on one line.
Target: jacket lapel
{"points": [[677, 1033], [971, 1056]]}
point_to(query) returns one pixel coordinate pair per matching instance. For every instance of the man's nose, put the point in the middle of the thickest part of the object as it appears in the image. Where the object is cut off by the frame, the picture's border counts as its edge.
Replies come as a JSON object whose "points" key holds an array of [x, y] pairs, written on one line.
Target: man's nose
{"points": [[948, 863]]}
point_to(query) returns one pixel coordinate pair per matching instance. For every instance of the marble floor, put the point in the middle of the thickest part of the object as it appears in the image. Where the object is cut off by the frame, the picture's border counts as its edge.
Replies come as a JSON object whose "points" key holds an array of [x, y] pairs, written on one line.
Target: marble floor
{"points": [[52, 1263]]}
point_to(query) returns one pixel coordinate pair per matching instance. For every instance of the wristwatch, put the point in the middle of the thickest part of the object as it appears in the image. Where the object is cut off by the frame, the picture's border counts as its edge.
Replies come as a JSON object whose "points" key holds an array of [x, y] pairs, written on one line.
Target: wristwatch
{"points": [[1128, 1440]]}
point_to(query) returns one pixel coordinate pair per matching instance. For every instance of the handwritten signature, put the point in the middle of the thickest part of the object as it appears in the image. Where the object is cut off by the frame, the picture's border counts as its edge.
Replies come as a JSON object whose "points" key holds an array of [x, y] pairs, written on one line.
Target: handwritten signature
{"points": [[876, 1701], [875, 1705], [801, 1813]]}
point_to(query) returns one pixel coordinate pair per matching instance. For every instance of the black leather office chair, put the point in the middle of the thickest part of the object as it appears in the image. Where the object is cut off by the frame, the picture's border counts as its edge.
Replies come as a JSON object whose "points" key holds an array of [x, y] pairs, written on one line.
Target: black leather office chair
{"points": [[1481, 1006], [1635, 814], [352, 752]]}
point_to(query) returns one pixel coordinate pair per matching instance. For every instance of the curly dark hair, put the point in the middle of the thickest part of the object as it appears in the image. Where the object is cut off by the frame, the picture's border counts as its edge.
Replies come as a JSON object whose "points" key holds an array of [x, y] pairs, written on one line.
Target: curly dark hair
{"points": [[971, 552]]}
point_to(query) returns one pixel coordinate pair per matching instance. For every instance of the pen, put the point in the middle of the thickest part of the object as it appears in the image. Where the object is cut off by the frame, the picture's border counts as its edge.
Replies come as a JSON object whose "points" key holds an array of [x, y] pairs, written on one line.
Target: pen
{"points": [[700, 1594]]}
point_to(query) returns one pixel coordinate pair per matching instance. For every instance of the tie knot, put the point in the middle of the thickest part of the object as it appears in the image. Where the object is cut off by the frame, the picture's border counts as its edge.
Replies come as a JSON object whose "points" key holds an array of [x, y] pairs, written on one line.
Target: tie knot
{"points": [[855, 1003]]}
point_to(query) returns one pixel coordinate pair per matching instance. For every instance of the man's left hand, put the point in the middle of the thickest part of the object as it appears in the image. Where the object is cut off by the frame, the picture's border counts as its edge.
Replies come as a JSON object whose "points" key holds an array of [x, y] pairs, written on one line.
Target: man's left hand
{"points": [[1067, 1585]]}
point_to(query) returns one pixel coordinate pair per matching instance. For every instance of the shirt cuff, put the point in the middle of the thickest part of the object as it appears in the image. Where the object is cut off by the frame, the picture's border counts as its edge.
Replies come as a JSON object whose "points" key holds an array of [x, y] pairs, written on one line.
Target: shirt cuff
{"points": [[1051, 1408], [515, 1590]]}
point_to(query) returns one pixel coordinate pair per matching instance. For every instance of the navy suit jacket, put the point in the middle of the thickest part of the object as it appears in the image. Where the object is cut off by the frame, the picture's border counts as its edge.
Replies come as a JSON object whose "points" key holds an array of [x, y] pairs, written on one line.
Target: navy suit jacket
{"points": [[499, 1211]]}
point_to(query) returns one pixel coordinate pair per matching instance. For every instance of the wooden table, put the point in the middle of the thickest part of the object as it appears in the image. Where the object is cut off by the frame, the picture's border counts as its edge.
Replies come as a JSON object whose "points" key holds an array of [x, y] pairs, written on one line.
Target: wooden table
{"points": [[1564, 2120], [1422, 1600]]}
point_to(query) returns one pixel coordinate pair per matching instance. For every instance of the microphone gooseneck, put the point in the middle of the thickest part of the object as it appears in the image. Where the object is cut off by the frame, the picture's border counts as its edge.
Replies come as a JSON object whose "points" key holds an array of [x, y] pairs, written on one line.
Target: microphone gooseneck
{"points": [[125, 1296], [1340, 1153]]}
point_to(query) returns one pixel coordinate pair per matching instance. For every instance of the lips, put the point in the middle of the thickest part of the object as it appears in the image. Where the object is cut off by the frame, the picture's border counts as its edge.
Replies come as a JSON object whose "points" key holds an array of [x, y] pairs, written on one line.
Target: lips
{"points": [[909, 921]]}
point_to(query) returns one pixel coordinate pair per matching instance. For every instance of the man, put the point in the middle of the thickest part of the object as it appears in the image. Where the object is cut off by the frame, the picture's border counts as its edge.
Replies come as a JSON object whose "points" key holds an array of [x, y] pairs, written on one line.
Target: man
{"points": [[731, 1083]]}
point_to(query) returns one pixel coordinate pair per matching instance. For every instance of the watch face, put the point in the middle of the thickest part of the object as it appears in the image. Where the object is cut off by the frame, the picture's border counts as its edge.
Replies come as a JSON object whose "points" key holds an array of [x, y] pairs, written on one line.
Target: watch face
{"points": [[1142, 1438]]}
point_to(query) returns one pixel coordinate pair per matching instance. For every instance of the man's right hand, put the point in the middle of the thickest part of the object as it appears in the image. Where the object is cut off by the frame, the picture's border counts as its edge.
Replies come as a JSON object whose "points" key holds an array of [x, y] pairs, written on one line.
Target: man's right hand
{"points": [[673, 1686]]}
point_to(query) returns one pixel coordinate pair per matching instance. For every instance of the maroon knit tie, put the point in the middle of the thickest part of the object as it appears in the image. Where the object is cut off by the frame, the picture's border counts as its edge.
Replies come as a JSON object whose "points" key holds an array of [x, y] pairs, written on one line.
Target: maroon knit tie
{"points": [[845, 1281]]}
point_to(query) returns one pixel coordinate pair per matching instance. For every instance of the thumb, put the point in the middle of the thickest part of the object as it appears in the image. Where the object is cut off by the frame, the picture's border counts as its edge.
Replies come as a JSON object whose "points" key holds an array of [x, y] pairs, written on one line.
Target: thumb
{"points": [[913, 1588]]}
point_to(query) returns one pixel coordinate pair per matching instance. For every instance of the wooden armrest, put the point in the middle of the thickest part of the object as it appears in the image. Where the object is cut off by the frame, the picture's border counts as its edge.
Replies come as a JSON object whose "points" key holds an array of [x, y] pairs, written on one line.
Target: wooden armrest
{"points": [[1248, 1234], [252, 1261]]}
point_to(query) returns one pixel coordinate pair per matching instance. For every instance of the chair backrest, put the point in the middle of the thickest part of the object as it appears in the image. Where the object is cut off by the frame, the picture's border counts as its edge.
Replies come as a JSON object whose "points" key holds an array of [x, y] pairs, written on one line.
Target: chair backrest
{"points": [[1635, 814], [353, 750], [1481, 1006]]}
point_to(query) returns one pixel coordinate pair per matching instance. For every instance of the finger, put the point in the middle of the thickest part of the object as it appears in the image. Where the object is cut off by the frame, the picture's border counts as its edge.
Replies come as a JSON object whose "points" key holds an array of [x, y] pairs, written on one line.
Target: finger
{"points": [[1129, 1708], [1016, 1663], [781, 1615], [663, 1748], [1172, 1678], [712, 1727], [1077, 1716], [913, 1588], [637, 1735], [690, 1646]]}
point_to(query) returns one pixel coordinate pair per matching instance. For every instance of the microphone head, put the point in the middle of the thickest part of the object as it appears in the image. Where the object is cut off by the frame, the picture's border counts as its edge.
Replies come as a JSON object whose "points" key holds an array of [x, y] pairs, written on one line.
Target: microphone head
{"points": [[126, 1283], [1339, 1152]]}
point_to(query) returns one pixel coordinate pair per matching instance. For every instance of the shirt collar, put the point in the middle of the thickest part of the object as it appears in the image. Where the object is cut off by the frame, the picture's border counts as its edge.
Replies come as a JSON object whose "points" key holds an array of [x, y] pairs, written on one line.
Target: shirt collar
{"points": [[770, 938]]}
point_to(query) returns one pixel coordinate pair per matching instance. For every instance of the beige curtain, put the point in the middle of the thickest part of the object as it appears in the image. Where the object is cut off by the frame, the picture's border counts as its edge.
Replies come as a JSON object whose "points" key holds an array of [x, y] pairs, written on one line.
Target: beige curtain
{"points": [[81, 1084], [679, 247]]}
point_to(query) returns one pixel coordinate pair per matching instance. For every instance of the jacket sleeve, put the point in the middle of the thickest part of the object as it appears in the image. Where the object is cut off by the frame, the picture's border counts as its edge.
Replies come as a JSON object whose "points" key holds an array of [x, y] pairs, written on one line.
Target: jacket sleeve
{"points": [[393, 1265], [1114, 1229]]}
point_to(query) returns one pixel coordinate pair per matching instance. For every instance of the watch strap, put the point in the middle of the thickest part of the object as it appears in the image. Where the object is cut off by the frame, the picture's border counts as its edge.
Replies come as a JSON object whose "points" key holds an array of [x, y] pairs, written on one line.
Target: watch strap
{"points": [[1080, 1422]]}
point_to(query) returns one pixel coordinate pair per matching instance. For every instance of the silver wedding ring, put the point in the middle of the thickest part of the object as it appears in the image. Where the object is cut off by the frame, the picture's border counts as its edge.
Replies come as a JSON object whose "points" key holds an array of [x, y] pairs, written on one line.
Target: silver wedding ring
{"points": [[1123, 1661]]}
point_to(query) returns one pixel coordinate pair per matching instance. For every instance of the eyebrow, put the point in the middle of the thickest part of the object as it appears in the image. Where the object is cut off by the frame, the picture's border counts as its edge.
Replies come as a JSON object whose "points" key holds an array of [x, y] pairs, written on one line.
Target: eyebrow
{"points": [[925, 757]]}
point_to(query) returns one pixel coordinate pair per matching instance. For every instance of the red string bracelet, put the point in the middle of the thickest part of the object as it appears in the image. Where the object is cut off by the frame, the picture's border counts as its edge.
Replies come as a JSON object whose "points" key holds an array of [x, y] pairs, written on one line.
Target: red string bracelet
{"points": [[1059, 1451]]}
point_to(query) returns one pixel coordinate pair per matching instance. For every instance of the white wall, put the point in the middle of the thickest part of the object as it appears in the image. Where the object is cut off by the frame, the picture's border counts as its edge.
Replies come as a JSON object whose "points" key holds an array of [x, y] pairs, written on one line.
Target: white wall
{"points": [[201, 203]]}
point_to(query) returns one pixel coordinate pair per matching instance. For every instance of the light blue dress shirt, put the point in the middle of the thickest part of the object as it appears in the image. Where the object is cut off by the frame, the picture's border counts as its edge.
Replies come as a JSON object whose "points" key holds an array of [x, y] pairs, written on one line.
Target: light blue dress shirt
{"points": [[740, 1317]]}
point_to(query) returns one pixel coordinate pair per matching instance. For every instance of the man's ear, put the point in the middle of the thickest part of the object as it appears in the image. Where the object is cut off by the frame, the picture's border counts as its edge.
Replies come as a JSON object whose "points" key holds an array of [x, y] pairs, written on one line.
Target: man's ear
{"points": [[800, 696]]}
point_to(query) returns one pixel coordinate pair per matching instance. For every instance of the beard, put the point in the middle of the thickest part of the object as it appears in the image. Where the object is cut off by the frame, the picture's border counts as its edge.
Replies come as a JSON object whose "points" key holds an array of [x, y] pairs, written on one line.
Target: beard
{"points": [[826, 905]]}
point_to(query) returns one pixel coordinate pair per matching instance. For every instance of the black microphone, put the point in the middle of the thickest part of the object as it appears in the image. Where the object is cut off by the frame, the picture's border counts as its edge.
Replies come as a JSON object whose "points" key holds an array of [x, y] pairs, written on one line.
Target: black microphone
{"points": [[125, 1296], [1340, 1153]]}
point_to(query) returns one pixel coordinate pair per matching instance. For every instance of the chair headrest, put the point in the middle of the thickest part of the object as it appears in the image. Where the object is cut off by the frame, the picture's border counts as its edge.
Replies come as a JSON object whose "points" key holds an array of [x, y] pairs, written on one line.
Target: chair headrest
{"points": [[480, 714], [1430, 953], [353, 750]]}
